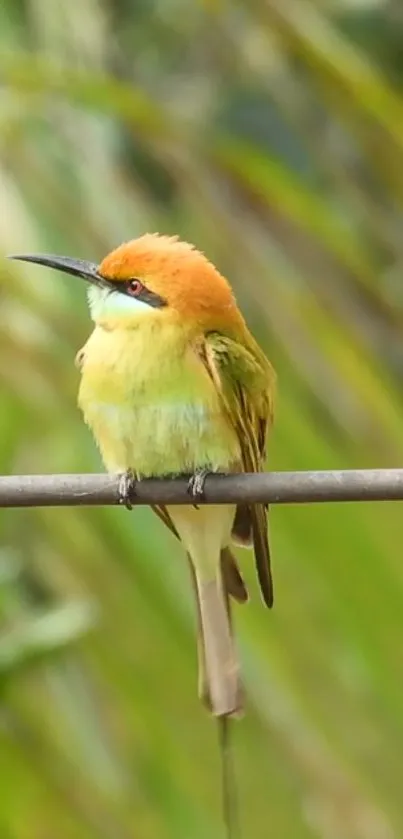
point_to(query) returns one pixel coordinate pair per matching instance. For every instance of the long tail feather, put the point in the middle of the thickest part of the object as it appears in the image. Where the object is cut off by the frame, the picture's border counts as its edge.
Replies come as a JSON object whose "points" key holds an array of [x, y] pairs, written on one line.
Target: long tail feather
{"points": [[203, 689], [219, 682]]}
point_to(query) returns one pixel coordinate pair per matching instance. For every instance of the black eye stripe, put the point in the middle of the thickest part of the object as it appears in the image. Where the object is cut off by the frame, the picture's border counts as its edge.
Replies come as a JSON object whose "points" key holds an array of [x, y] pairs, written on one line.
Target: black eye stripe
{"points": [[145, 295], [151, 298]]}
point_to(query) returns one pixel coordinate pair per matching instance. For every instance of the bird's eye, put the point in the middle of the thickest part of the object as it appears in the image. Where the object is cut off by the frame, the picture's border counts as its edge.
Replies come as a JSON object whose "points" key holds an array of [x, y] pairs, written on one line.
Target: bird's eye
{"points": [[134, 287]]}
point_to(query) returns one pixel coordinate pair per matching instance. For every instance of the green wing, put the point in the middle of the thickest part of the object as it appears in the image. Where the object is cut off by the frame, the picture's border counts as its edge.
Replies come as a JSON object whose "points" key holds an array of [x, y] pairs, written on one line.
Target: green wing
{"points": [[245, 381]]}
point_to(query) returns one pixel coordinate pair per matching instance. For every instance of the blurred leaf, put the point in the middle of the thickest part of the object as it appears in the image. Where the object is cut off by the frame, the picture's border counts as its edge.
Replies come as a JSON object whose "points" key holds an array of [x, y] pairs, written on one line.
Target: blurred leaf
{"points": [[43, 637]]}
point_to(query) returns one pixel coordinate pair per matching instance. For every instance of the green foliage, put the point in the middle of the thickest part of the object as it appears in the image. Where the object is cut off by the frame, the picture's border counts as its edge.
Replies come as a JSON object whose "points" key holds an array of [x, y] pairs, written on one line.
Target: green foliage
{"points": [[269, 134]]}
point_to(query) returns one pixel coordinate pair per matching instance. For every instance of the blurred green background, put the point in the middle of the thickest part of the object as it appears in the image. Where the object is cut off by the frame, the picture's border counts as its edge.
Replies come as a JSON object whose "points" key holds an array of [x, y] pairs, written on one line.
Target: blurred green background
{"points": [[270, 134]]}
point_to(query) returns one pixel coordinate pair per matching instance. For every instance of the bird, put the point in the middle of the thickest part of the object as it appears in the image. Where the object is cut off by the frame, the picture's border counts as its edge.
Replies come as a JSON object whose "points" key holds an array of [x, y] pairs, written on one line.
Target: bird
{"points": [[173, 383]]}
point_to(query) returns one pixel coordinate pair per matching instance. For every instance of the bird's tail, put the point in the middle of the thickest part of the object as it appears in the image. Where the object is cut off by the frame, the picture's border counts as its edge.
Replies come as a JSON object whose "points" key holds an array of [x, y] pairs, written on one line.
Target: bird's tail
{"points": [[219, 681]]}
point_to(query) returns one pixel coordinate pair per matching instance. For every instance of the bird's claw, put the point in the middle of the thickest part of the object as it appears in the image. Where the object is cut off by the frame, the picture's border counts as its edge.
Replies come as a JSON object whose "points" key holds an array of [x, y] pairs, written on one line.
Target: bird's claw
{"points": [[196, 485], [127, 487]]}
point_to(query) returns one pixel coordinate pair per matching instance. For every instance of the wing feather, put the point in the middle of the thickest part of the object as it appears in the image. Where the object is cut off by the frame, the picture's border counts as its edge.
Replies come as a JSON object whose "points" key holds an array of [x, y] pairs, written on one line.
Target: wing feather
{"points": [[245, 381]]}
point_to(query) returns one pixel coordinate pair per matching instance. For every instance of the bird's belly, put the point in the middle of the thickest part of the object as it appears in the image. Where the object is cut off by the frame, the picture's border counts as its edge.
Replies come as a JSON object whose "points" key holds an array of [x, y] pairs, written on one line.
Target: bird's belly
{"points": [[161, 439], [153, 410]]}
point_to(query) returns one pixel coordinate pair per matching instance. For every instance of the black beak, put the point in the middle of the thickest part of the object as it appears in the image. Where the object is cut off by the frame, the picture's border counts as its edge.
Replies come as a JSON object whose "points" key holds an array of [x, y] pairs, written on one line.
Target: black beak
{"points": [[78, 267]]}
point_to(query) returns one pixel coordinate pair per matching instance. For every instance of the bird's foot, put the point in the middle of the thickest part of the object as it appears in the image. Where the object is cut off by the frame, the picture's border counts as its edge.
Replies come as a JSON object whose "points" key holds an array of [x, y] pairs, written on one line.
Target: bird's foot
{"points": [[196, 485], [127, 488]]}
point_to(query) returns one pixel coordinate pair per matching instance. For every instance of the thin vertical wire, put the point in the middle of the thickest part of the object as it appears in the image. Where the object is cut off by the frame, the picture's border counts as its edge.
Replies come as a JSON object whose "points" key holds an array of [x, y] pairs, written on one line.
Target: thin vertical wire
{"points": [[228, 780]]}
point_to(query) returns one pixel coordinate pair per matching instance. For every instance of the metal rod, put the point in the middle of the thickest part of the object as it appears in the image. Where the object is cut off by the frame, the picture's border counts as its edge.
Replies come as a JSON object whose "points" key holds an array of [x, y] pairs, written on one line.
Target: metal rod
{"points": [[270, 487]]}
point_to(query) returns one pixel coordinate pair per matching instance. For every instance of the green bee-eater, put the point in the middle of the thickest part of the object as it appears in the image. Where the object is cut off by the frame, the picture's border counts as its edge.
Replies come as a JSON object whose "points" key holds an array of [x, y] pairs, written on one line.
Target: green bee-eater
{"points": [[173, 382]]}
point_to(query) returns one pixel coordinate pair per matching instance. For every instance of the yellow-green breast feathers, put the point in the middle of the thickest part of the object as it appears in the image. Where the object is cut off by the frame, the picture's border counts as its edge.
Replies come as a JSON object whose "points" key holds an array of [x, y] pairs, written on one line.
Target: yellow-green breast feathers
{"points": [[151, 403]]}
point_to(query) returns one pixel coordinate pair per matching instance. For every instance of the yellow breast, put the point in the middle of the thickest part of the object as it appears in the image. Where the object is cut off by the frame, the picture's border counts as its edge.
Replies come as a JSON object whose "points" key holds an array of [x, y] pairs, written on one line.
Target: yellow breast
{"points": [[150, 403]]}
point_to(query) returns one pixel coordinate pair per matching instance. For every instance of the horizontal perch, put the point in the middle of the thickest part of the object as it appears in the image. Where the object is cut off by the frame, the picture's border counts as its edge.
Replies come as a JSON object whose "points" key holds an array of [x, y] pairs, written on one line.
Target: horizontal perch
{"points": [[266, 487]]}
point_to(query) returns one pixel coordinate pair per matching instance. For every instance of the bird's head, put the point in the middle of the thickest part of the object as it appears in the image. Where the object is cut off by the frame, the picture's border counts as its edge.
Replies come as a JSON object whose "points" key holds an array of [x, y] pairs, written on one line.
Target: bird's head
{"points": [[156, 277]]}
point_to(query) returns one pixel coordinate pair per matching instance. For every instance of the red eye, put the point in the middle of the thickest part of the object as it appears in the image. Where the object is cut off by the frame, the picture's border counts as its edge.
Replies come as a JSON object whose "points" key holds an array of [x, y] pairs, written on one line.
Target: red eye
{"points": [[134, 287]]}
